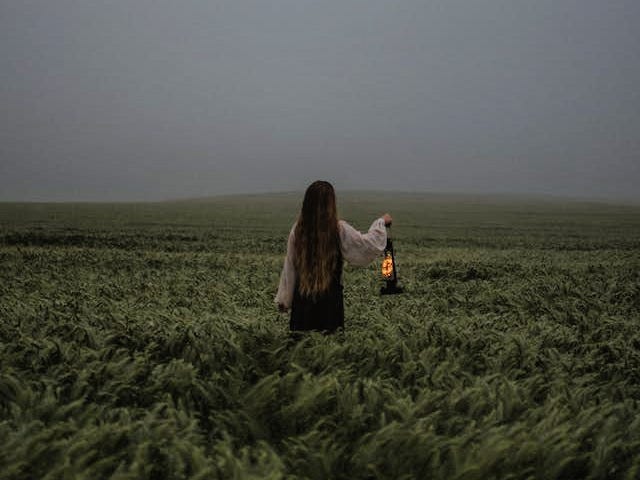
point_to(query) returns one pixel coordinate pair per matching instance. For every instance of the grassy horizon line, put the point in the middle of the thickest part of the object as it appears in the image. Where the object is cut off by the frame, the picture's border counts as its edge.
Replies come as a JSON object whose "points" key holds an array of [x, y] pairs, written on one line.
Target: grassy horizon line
{"points": [[416, 194]]}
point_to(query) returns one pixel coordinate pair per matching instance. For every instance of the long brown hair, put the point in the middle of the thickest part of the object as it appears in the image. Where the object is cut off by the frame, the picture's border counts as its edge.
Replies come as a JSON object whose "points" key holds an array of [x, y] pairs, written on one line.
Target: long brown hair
{"points": [[317, 239]]}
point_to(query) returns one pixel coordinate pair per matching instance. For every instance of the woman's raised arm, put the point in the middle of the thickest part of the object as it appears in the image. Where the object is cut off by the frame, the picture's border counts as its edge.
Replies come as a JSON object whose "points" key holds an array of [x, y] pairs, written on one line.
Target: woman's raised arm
{"points": [[360, 249]]}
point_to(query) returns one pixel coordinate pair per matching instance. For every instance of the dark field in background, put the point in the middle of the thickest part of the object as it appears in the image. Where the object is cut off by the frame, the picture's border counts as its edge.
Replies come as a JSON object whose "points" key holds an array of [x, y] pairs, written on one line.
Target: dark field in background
{"points": [[141, 341]]}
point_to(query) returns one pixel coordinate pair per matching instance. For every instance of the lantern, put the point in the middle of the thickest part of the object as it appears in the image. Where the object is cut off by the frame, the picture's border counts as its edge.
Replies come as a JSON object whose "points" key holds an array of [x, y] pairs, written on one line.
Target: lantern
{"points": [[388, 270]]}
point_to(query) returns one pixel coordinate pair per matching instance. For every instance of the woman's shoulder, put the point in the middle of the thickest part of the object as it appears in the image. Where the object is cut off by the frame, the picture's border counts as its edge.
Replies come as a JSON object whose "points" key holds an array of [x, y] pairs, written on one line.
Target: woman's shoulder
{"points": [[344, 228], [343, 224], [292, 232]]}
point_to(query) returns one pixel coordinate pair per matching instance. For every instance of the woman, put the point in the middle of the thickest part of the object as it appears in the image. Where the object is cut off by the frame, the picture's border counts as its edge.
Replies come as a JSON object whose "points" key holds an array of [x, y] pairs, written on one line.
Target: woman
{"points": [[311, 279]]}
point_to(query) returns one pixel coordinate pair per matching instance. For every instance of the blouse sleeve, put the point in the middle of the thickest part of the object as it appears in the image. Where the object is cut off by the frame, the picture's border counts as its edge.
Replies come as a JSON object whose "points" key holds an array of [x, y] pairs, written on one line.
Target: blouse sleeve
{"points": [[360, 249], [288, 275]]}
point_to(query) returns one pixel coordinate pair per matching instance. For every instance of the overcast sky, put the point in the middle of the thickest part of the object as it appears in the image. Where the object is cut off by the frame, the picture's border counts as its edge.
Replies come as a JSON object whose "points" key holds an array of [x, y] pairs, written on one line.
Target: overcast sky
{"points": [[159, 99]]}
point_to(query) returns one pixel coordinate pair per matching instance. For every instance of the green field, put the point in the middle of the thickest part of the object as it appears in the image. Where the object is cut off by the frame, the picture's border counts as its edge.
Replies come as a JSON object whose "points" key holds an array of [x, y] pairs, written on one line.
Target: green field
{"points": [[141, 341]]}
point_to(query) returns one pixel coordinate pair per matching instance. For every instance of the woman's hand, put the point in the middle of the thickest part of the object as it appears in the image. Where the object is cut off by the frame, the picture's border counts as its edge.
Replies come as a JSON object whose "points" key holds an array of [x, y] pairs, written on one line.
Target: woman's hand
{"points": [[282, 308], [387, 220]]}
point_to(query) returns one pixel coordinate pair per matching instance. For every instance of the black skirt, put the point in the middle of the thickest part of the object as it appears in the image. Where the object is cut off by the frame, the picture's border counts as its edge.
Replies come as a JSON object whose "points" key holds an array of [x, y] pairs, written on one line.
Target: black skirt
{"points": [[324, 313]]}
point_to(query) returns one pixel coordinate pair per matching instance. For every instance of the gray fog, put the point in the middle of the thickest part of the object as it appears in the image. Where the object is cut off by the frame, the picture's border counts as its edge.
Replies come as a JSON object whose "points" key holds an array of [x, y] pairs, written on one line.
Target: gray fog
{"points": [[159, 99]]}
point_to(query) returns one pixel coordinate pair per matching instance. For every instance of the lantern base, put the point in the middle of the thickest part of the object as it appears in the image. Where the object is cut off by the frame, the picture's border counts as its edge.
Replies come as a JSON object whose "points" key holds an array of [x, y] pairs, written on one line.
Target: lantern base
{"points": [[391, 288]]}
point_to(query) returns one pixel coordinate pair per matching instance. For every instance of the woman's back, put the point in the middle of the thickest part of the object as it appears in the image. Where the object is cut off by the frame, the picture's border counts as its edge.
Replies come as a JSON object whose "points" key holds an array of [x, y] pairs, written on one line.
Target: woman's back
{"points": [[311, 279]]}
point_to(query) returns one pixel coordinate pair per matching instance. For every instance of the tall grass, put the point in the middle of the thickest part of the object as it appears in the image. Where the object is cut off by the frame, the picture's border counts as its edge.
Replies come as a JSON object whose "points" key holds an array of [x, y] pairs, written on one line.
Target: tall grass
{"points": [[141, 341]]}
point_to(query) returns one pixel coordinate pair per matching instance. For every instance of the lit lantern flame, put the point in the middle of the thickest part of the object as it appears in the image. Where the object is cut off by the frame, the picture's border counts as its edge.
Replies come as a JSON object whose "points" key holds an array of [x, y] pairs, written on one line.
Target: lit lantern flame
{"points": [[387, 266], [389, 271]]}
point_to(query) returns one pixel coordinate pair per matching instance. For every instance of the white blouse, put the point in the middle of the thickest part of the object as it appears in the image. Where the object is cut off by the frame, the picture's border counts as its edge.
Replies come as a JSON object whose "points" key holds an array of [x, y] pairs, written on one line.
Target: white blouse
{"points": [[357, 248]]}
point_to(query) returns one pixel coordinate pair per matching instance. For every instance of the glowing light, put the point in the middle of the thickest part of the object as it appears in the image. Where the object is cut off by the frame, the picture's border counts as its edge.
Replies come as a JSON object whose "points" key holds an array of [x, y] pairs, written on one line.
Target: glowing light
{"points": [[387, 266]]}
